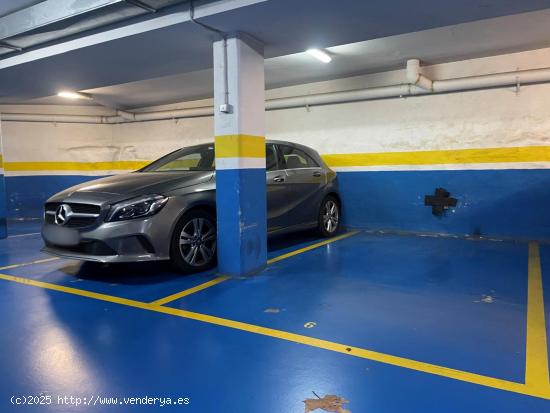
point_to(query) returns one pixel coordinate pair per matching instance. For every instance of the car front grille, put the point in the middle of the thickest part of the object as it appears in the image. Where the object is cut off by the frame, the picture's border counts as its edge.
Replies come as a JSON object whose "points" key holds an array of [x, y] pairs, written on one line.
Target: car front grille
{"points": [[94, 247], [81, 216]]}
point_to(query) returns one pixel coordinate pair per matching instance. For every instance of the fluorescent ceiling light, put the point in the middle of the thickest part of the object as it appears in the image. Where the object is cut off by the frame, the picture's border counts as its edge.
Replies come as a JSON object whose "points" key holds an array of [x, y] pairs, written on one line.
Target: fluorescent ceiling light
{"points": [[320, 54], [74, 95]]}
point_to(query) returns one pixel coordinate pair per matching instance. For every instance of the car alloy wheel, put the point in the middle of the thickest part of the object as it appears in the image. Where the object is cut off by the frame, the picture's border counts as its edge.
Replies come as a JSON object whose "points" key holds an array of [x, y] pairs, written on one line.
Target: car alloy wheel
{"points": [[330, 216], [197, 242]]}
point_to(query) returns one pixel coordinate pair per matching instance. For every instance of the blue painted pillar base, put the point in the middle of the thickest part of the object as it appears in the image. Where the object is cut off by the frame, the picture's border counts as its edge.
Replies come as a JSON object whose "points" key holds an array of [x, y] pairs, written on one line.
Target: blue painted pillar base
{"points": [[242, 227], [3, 209], [3, 195], [239, 102]]}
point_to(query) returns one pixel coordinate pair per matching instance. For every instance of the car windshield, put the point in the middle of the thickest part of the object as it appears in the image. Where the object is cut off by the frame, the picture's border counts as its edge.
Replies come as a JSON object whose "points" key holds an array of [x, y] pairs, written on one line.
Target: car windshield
{"points": [[197, 158]]}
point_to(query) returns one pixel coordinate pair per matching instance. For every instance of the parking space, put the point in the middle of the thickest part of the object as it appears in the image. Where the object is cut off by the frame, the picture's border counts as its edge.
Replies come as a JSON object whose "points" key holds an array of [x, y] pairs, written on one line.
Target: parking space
{"points": [[451, 300], [85, 347], [377, 292]]}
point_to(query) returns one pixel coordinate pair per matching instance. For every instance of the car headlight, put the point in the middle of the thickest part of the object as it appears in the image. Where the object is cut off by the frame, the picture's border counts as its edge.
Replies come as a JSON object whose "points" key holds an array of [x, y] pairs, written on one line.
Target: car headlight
{"points": [[140, 207]]}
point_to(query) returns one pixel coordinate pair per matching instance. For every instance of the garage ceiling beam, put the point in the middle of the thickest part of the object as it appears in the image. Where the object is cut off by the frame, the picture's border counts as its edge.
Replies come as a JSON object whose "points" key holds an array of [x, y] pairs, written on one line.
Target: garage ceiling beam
{"points": [[92, 59], [5, 45], [141, 5], [45, 13]]}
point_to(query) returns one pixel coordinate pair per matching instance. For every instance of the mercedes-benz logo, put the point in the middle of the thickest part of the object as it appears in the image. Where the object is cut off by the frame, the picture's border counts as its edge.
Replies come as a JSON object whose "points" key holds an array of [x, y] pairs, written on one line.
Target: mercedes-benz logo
{"points": [[62, 214]]}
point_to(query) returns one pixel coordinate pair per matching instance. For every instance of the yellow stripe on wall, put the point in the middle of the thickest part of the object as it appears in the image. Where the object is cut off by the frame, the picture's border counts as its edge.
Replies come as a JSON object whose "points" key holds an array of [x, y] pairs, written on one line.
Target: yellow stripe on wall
{"points": [[240, 146], [75, 166], [234, 146], [453, 156]]}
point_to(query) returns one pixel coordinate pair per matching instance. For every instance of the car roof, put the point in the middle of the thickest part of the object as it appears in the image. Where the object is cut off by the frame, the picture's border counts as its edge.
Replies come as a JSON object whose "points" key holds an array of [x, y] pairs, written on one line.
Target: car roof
{"points": [[310, 151]]}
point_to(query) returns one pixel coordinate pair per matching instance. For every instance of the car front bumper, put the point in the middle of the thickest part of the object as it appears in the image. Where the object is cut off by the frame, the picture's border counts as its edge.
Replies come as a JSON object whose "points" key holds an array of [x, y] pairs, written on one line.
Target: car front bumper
{"points": [[115, 242], [119, 258]]}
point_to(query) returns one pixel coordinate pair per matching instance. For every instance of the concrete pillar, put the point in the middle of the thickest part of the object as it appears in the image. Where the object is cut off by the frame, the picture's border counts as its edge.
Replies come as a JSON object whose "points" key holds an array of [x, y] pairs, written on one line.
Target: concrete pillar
{"points": [[240, 155], [3, 195]]}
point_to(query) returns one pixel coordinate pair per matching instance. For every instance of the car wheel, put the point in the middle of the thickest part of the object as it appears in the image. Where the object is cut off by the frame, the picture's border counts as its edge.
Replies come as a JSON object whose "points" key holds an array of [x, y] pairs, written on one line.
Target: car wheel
{"points": [[329, 216], [193, 246]]}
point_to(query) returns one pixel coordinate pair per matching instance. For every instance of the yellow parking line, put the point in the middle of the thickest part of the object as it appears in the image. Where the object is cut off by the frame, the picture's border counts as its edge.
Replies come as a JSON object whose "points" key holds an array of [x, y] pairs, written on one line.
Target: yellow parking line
{"points": [[70, 290], [200, 287], [536, 353], [189, 291], [301, 339], [311, 247], [9, 267]]}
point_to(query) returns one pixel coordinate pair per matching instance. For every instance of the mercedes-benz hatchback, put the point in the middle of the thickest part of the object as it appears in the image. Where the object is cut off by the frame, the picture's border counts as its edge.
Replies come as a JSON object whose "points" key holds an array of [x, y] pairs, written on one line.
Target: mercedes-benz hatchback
{"points": [[167, 210]]}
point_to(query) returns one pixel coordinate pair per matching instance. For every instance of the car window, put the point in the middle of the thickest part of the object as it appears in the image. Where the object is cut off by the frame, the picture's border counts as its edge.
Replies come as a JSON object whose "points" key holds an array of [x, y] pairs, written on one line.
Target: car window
{"points": [[199, 158], [295, 158], [272, 162]]}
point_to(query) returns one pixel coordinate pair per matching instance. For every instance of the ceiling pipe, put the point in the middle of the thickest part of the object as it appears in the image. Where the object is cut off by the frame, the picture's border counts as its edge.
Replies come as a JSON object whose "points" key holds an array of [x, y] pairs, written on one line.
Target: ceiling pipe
{"points": [[414, 77], [31, 117], [340, 97], [418, 84], [521, 77], [129, 116], [175, 114], [120, 117]]}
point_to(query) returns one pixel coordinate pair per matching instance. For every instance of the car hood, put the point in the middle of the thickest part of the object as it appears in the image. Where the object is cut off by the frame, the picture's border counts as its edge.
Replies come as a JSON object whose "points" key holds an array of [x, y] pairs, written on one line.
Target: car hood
{"points": [[133, 184]]}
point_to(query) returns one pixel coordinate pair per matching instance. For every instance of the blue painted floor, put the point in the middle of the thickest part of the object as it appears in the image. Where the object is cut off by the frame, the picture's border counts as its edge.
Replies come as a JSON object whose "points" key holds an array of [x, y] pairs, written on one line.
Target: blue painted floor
{"points": [[451, 302]]}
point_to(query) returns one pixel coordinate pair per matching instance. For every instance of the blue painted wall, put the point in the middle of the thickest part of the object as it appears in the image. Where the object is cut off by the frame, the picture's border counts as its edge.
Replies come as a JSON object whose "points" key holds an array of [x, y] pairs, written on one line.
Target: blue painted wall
{"points": [[511, 203], [3, 211], [26, 194]]}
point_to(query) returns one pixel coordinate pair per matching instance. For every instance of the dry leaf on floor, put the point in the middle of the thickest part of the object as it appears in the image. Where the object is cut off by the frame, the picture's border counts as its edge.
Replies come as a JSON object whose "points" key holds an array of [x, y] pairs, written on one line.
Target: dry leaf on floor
{"points": [[329, 403]]}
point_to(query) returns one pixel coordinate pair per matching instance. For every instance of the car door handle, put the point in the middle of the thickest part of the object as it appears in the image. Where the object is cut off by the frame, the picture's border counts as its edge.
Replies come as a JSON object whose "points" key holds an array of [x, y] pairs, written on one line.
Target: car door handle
{"points": [[317, 174], [279, 179]]}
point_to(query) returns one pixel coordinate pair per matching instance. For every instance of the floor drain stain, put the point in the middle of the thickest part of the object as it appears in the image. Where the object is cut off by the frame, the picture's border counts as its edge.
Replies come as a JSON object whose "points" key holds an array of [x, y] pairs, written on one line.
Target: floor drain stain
{"points": [[488, 299], [329, 403]]}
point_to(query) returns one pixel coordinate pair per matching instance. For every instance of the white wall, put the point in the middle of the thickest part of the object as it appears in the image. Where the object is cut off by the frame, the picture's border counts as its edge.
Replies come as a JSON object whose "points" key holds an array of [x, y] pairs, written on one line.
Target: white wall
{"points": [[490, 118], [493, 118]]}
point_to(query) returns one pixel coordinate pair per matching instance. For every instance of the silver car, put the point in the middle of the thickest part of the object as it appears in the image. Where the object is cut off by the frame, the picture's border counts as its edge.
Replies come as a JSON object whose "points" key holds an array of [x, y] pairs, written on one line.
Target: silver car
{"points": [[167, 210]]}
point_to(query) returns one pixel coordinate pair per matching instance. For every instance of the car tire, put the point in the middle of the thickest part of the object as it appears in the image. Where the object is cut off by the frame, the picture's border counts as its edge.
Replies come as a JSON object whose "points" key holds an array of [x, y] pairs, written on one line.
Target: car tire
{"points": [[329, 217], [193, 245]]}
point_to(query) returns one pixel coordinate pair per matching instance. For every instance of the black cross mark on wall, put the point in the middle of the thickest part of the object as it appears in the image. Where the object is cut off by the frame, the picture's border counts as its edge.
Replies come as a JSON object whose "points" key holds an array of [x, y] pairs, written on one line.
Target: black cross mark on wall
{"points": [[439, 201]]}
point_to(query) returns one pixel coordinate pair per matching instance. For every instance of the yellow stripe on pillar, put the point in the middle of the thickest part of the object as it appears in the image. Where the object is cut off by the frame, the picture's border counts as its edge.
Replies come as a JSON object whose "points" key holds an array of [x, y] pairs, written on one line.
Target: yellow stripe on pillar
{"points": [[240, 146]]}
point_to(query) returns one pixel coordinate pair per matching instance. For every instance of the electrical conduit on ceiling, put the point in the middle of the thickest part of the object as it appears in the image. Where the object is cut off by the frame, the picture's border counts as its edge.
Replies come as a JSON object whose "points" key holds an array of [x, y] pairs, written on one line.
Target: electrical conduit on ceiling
{"points": [[417, 84]]}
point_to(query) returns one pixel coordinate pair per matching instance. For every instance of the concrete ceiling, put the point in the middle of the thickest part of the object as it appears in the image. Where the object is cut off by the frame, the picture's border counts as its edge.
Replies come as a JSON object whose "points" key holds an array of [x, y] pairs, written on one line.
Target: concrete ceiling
{"points": [[171, 60], [10, 6]]}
